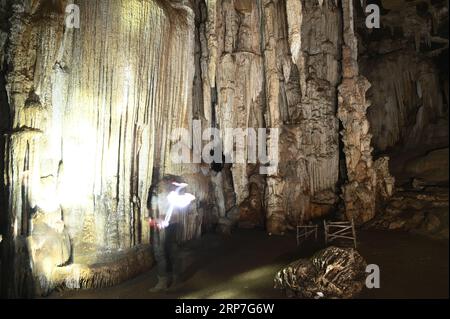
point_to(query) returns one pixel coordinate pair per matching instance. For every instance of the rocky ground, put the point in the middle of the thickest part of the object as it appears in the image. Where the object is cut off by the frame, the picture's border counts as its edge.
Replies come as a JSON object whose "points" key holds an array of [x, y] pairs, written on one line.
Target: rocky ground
{"points": [[244, 265], [419, 211], [420, 200]]}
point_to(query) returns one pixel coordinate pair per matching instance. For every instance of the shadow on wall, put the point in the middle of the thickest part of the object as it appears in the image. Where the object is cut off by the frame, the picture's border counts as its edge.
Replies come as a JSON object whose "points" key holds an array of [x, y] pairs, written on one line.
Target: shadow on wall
{"points": [[9, 250], [4, 125], [408, 70]]}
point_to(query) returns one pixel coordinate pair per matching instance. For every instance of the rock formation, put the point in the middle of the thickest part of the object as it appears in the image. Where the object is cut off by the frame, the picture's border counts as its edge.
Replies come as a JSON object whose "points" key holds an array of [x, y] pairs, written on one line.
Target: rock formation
{"points": [[89, 108], [360, 189], [331, 273], [90, 114], [422, 212], [408, 116]]}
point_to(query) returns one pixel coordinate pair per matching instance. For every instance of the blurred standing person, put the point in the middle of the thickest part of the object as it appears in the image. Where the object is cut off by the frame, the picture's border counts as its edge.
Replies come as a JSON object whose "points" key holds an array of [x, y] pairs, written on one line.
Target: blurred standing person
{"points": [[163, 235]]}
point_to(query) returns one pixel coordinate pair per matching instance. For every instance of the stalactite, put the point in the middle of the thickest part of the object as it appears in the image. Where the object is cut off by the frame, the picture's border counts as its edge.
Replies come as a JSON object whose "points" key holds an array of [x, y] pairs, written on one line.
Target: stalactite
{"points": [[403, 84]]}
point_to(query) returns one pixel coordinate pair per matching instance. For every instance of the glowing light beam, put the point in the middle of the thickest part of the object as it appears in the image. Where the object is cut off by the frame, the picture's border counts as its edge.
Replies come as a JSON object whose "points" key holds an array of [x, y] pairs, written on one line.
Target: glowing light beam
{"points": [[176, 201]]}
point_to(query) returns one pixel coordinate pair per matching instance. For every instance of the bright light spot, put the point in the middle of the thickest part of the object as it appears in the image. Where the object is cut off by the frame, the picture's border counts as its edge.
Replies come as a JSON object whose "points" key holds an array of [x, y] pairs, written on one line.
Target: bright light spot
{"points": [[47, 267], [227, 294], [180, 201], [255, 274], [128, 75], [319, 295], [49, 205], [16, 228], [164, 224], [47, 199], [180, 185]]}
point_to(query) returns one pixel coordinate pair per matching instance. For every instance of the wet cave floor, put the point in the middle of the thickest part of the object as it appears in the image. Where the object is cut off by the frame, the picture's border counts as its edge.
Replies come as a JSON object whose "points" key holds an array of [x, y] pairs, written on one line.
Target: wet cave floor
{"points": [[243, 266]]}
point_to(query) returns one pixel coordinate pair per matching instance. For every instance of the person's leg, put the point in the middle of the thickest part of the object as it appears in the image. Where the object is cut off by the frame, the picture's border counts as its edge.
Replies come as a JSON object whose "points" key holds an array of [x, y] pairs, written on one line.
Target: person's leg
{"points": [[174, 262], [159, 240]]}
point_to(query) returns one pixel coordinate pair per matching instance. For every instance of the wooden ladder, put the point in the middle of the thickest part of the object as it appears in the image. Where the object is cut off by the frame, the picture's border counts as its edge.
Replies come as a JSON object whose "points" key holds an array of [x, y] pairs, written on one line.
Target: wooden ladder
{"points": [[342, 230]]}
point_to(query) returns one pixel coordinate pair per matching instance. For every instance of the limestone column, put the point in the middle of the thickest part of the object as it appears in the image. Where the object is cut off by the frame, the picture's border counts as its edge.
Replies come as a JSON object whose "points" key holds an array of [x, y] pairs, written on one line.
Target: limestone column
{"points": [[359, 192]]}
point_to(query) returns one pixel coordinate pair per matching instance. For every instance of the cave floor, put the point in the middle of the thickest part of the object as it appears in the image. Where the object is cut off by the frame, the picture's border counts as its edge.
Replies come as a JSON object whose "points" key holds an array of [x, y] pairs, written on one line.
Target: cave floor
{"points": [[243, 266]]}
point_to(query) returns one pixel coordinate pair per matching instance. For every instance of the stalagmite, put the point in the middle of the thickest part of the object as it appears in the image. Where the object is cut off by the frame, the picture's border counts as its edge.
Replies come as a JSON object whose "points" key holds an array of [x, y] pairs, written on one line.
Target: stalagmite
{"points": [[359, 193], [310, 93]]}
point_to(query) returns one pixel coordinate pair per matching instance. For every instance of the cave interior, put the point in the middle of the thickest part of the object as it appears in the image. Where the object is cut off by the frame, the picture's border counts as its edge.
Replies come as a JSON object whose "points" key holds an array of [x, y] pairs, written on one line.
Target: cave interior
{"points": [[94, 95]]}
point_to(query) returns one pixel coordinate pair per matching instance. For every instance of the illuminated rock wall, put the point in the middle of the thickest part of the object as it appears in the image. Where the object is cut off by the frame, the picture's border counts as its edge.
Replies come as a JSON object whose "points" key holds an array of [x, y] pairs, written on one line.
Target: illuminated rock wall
{"points": [[87, 116], [91, 113], [274, 64], [93, 109], [303, 104]]}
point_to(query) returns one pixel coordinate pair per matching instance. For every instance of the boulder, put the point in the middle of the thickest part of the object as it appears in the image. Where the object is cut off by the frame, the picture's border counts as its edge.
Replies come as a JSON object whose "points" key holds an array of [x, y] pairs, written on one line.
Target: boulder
{"points": [[429, 169], [330, 273]]}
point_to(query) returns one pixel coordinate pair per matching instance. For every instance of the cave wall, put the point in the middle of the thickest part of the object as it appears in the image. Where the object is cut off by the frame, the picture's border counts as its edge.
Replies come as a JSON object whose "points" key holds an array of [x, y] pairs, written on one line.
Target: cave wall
{"points": [[89, 115], [93, 110], [300, 104], [274, 64], [4, 125], [405, 62]]}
